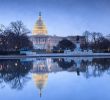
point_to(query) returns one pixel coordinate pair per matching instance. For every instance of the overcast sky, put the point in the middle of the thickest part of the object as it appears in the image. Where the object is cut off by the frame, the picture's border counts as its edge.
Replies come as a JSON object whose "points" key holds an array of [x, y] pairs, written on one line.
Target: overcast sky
{"points": [[62, 17]]}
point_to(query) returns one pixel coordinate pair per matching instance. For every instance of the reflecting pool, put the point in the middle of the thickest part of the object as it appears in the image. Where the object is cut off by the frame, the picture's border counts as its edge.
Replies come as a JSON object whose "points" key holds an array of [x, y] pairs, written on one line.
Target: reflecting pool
{"points": [[55, 79]]}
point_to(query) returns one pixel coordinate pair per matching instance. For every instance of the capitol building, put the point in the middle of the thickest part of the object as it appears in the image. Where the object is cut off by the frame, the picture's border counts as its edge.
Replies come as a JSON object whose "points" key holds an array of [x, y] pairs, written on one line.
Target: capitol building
{"points": [[42, 40]]}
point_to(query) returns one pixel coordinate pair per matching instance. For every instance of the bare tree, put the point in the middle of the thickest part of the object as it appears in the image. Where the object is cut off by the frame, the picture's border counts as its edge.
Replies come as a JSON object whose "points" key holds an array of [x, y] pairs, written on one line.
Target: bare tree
{"points": [[2, 28], [87, 35], [95, 36], [14, 37], [18, 28]]}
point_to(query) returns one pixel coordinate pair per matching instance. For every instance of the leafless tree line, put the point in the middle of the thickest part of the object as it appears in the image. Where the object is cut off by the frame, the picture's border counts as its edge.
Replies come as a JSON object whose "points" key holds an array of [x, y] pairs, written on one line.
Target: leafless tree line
{"points": [[97, 42], [14, 37]]}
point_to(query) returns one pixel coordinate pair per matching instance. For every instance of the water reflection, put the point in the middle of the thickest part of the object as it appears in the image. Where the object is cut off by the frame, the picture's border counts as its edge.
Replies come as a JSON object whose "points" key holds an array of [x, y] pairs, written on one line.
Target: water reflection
{"points": [[15, 73], [40, 81]]}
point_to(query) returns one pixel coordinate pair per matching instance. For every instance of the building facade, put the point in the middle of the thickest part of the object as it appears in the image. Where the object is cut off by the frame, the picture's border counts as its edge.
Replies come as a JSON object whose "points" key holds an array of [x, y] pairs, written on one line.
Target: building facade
{"points": [[41, 39]]}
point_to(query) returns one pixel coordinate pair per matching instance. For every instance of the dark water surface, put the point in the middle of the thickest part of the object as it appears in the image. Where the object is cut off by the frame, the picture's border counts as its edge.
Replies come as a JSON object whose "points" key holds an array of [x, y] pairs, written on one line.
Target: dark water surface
{"points": [[55, 79]]}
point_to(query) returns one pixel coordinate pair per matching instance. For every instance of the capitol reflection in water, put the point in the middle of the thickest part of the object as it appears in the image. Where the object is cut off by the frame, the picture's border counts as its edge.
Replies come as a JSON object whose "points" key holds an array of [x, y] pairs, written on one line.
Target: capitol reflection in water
{"points": [[21, 73]]}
